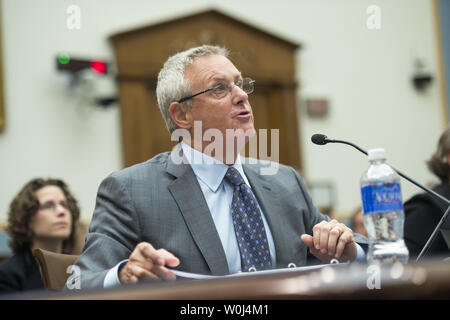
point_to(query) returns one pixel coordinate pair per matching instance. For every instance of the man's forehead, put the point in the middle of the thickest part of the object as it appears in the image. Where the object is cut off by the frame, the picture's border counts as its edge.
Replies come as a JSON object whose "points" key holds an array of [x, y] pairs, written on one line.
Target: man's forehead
{"points": [[215, 67]]}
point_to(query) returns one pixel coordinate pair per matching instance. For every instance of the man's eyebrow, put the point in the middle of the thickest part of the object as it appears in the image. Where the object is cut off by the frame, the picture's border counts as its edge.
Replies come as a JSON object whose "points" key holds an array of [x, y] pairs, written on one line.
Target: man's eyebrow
{"points": [[222, 78]]}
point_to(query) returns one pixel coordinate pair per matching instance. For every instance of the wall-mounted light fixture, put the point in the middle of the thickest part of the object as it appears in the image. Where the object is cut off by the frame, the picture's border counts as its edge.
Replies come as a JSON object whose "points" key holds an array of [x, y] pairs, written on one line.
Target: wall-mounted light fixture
{"points": [[92, 77], [422, 78]]}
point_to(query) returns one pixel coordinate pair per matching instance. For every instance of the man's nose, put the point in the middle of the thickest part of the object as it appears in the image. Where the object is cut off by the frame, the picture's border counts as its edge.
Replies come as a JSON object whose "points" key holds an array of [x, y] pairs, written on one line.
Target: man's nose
{"points": [[238, 95]]}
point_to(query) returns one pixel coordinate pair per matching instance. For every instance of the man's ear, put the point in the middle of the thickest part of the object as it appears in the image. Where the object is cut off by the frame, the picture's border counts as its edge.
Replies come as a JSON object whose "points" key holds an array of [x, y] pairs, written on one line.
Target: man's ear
{"points": [[180, 115]]}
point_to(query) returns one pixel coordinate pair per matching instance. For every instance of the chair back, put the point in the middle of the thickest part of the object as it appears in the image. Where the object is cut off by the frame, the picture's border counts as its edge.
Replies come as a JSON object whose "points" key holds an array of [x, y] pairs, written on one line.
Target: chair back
{"points": [[53, 267]]}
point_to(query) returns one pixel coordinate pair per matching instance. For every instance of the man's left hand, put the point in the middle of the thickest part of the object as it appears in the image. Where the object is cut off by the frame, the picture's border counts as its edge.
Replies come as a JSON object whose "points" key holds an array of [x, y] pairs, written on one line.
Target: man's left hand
{"points": [[331, 240]]}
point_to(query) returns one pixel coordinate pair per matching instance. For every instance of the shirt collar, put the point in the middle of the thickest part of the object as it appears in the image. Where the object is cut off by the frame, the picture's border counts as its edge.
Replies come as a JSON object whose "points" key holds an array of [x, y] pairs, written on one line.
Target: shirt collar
{"points": [[209, 170]]}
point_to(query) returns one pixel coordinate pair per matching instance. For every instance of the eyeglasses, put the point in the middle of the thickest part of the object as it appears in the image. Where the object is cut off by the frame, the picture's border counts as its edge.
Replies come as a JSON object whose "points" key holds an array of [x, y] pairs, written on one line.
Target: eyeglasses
{"points": [[52, 206], [221, 90]]}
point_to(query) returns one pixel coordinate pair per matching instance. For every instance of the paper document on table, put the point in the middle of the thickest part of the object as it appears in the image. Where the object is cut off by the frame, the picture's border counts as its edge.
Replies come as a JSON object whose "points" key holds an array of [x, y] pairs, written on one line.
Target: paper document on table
{"points": [[189, 275]]}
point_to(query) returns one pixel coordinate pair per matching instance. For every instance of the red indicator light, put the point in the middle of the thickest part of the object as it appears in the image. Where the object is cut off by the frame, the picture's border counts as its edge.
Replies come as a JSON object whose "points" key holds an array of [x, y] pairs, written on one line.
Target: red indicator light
{"points": [[98, 66]]}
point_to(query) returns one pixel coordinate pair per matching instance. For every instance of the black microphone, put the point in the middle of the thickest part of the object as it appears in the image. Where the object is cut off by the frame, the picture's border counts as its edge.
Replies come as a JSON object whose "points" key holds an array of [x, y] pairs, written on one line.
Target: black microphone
{"points": [[322, 139], [319, 139]]}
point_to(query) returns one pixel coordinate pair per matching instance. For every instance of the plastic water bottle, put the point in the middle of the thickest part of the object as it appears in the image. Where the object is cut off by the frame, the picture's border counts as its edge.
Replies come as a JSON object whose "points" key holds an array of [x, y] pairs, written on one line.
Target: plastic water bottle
{"points": [[383, 211]]}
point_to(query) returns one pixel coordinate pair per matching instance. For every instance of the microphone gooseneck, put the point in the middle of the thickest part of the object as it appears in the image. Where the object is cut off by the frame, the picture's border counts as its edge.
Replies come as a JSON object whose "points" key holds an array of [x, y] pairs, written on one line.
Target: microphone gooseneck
{"points": [[322, 139]]}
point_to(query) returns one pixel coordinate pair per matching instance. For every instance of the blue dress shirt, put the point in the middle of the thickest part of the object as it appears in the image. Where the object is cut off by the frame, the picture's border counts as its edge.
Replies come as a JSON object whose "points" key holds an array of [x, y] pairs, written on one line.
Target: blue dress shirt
{"points": [[218, 195]]}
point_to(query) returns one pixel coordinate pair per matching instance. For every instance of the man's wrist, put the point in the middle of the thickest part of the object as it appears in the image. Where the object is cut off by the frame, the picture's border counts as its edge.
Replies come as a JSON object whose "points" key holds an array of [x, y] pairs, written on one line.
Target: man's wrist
{"points": [[112, 277]]}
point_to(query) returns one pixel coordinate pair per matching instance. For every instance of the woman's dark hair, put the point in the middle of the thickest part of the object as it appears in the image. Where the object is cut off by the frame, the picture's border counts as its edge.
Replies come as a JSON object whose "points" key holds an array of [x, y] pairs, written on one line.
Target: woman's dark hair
{"points": [[438, 163], [24, 207]]}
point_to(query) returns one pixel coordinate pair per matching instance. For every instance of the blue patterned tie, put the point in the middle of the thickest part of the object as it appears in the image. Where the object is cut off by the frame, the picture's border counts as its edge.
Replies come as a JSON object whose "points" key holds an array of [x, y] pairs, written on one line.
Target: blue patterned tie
{"points": [[248, 225]]}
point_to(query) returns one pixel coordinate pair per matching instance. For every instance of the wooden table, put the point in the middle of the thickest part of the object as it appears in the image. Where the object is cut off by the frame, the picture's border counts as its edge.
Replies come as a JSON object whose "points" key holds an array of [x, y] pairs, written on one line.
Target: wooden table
{"points": [[429, 279]]}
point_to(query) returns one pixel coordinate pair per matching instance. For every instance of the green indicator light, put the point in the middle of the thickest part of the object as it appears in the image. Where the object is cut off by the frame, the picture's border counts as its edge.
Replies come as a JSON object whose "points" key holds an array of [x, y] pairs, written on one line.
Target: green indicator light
{"points": [[63, 58]]}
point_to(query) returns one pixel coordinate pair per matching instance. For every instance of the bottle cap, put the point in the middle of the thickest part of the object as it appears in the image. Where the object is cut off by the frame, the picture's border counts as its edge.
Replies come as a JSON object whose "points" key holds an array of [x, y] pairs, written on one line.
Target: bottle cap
{"points": [[376, 154]]}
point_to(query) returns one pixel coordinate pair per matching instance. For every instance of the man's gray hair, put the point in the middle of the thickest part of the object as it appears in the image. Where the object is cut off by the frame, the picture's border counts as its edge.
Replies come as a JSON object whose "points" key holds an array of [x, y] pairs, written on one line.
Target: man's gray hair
{"points": [[172, 85]]}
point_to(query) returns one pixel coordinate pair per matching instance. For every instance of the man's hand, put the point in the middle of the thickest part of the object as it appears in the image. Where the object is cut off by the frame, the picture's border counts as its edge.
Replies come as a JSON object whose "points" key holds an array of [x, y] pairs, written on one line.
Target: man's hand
{"points": [[331, 240], [146, 262]]}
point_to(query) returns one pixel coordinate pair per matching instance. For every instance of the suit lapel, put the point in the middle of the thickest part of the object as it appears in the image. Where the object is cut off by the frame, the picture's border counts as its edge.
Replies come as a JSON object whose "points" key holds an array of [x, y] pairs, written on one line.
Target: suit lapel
{"points": [[189, 197], [270, 202]]}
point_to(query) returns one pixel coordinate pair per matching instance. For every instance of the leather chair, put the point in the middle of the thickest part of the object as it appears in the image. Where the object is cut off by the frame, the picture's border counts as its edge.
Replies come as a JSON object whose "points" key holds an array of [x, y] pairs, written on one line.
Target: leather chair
{"points": [[53, 267]]}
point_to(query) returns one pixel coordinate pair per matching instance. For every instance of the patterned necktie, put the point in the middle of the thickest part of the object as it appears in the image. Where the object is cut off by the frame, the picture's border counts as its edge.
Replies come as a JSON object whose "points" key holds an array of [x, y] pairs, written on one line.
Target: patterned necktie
{"points": [[248, 225]]}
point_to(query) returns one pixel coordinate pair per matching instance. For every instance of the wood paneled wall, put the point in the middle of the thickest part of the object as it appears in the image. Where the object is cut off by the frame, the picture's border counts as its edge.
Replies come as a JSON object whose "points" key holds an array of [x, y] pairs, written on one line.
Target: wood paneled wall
{"points": [[141, 53]]}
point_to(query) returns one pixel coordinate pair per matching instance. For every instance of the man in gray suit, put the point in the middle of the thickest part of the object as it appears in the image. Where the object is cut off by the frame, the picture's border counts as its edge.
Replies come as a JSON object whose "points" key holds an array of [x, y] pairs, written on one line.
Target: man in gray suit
{"points": [[177, 210]]}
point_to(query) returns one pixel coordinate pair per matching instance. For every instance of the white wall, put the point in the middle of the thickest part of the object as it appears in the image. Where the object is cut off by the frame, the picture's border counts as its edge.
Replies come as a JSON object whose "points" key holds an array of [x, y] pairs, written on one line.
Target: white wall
{"points": [[365, 74]]}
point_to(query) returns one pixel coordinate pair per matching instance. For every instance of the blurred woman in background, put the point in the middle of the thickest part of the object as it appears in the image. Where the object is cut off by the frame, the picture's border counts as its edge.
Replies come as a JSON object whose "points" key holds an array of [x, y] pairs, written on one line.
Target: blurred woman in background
{"points": [[423, 211], [43, 215]]}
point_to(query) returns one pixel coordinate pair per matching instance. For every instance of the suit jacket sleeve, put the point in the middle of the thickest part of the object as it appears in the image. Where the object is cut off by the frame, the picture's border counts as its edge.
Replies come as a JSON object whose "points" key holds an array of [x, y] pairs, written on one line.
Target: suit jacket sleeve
{"points": [[313, 215], [113, 232]]}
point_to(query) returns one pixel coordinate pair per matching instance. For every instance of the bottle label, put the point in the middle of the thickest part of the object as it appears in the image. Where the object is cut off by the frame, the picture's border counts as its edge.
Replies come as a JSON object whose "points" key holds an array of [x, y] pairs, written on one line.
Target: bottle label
{"points": [[381, 198]]}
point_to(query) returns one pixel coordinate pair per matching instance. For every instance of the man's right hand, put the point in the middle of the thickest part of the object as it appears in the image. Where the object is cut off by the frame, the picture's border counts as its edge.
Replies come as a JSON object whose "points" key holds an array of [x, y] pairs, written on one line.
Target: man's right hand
{"points": [[147, 263]]}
